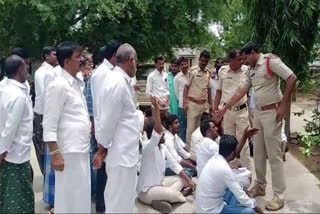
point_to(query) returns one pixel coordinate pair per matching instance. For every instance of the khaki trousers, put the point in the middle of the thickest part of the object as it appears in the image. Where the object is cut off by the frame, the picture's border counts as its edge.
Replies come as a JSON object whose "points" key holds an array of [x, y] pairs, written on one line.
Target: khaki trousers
{"points": [[251, 116], [193, 119], [169, 191], [267, 144], [235, 123]]}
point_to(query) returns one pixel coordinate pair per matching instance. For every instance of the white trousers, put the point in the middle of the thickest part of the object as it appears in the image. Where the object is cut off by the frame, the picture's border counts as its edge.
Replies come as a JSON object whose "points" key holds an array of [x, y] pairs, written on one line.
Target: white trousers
{"points": [[73, 185], [120, 192], [169, 191]]}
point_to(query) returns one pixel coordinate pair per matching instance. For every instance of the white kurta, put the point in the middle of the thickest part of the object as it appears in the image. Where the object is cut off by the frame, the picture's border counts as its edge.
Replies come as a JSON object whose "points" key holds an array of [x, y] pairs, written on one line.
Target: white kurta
{"points": [[39, 85], [155, 159], [16, 118], [196, 139], [175, 146], [207, 149], [118, 131], [97, 79], [157, 84], [66, 121]]}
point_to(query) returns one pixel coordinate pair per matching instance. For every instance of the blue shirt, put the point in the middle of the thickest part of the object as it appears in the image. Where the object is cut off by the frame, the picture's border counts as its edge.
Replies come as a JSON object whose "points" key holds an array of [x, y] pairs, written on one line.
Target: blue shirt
{"points": [[88, 96]]}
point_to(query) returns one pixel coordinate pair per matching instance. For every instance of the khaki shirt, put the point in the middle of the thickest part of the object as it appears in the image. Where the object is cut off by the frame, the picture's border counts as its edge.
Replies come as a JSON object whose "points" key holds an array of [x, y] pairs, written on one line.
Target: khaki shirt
{"points": [[198, 83], [230, 82], [266, 87]]}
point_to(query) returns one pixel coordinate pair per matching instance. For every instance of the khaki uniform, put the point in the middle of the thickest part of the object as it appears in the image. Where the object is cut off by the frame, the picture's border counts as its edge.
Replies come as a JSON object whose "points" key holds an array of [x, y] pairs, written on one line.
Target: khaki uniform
{"points": [[235, 120], [267, 143], [198, 90]]}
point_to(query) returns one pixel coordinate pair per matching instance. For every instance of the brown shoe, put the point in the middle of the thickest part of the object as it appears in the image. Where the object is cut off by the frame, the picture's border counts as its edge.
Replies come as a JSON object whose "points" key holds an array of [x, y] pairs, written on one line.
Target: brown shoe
{"points": [[257, 190], [161, 206], [275, 204]]}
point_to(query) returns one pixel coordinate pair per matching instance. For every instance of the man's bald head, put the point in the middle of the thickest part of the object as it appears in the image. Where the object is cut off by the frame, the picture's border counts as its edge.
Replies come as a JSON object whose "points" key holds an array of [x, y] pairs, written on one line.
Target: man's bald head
{"points": [[124, 53], [12, 65], [127, 59]]}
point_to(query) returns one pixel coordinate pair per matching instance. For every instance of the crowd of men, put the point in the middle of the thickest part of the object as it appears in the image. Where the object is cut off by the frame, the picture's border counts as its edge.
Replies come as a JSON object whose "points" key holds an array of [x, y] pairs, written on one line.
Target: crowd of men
{"points": [[94, 144]]}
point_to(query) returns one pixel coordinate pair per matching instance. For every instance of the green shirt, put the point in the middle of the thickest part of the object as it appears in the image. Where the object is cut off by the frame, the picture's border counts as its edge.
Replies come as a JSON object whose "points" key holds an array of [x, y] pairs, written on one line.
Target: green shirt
{"points": [[174, 104]]}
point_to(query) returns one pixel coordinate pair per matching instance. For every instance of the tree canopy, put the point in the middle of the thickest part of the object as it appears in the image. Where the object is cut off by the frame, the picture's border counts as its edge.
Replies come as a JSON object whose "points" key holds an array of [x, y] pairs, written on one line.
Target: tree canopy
{"points": [[152, 26], [288, 27]]}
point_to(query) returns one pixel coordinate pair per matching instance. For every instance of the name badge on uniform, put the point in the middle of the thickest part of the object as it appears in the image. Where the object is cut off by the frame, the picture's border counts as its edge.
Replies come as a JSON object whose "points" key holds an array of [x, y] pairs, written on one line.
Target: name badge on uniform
{"points": [[229, 78]]}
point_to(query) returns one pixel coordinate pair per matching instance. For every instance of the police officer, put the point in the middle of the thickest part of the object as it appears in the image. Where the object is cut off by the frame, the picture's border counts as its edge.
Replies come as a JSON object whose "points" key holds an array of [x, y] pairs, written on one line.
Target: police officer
{"points": [[236, 119], [197, 94], [264, 78]]}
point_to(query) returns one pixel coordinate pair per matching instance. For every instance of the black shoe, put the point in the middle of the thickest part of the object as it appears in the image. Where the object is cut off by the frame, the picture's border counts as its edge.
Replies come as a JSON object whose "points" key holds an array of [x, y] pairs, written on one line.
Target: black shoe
{"points": [[100, 209], [251, 148]]}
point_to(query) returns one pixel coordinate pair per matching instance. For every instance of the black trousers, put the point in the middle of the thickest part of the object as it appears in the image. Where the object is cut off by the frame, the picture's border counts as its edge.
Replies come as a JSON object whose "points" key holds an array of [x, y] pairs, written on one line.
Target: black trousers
{"points": [[38, 140], [101, 185]]}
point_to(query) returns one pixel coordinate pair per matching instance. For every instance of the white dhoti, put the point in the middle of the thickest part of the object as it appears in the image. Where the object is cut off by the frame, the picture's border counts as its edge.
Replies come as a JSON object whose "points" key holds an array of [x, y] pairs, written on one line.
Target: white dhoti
{"points": [[120, 192], [73, 185]]}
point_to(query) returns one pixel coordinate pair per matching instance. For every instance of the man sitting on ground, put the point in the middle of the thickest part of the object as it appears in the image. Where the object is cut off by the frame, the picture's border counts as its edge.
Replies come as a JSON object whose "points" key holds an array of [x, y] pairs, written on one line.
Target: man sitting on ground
{"points": [[152, 187], [177, 147], [210, 144], [197, 138], [219, 191]]}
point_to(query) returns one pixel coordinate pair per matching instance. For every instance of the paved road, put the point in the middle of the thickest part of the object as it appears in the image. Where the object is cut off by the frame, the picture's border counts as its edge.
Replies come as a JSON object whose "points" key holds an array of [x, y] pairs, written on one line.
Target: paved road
{"points": [[303, 188]]}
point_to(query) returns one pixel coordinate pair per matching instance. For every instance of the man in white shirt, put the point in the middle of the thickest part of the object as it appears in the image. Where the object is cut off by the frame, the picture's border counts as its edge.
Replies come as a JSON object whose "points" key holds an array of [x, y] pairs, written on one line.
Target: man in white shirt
{"points": [[66, 129], [157, 83], [118, 133], [56, 71], [219, 191], [50, 61], [152, 188], [209, 145], [197, 137], [108, 52], [176, 146], [16, 128], [180, 80]]}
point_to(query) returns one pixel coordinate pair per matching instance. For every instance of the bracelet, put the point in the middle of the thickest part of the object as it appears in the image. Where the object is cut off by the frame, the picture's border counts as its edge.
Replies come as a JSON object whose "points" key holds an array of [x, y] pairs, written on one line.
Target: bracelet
{"points": [[55, 152]]}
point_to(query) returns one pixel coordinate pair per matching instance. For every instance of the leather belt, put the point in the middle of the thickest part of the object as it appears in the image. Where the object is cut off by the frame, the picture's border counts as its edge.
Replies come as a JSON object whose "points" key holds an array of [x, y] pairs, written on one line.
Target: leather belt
{"points": [[200, 102], [269, 107], [238, 108]]}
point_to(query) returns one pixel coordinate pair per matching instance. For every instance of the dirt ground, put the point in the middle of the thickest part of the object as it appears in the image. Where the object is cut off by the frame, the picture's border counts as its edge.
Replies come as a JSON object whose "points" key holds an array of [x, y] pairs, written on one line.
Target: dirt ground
{"points": [[307, 102], [312, 163]]}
